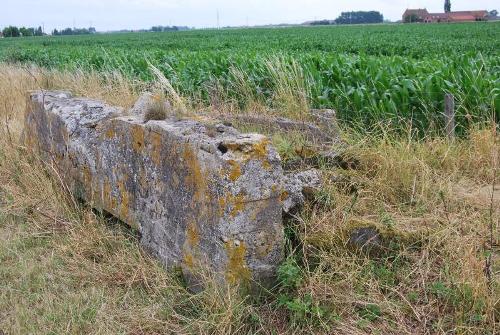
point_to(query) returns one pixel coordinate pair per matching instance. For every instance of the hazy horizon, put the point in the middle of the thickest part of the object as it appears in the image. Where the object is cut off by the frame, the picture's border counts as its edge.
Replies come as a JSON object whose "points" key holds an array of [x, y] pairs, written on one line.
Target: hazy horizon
{"points": [[143, 14]]}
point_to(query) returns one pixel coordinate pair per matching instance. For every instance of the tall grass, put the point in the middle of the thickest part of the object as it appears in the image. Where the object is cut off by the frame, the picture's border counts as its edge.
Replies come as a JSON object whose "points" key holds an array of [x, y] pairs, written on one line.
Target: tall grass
{"points": [[290, 87]]}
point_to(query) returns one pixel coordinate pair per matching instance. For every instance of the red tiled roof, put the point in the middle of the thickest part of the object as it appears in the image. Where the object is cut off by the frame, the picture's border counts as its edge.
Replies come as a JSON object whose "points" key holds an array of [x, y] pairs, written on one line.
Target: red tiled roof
{"points": [[471, 12], [418, 12], [462, 17]]}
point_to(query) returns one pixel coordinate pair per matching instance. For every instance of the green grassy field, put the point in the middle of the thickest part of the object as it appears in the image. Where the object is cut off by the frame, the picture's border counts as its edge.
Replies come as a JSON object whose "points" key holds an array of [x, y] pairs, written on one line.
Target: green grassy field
{"points": [[367, 73]]}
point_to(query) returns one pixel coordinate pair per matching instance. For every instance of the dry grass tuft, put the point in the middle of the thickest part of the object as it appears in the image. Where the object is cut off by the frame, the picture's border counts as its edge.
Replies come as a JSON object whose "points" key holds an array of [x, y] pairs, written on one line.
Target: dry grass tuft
{"points": [[159, 109], [290, 86]]}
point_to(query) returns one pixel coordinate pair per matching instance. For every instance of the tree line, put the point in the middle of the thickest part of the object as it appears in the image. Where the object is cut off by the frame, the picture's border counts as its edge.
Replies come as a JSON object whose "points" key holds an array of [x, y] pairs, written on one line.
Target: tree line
{"points": [[359, 17], [167, 28], [74, 31], [13, 31]]}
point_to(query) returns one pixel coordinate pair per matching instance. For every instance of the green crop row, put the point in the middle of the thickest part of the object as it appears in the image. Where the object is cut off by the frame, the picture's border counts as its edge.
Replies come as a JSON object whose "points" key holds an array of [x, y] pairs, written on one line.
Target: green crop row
{"points": [[368, 74]]}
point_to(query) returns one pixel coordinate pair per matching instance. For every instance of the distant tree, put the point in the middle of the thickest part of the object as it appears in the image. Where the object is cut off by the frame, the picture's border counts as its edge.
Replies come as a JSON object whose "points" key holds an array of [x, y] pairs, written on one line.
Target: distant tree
{"points": [[11, 31], [26, 32], [67, 31], [493, 13], [447, 6], [360, 17], [157, 29], [321, 23], [39, 31], [74, 31]]}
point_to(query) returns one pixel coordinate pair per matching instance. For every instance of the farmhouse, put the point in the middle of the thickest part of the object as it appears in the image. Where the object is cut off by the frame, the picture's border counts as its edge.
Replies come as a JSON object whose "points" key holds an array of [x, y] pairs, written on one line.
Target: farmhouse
{"points": [[422, 15]]}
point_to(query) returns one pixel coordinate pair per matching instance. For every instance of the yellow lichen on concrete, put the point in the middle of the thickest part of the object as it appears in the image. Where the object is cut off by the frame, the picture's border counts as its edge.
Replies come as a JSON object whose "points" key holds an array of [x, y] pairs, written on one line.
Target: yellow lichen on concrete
{"points": [[193, 235], [195, 177], [235, 172], [238, 203], [106, 194], [237, 271], [124, 200], [156, 140], [87, 179], [248, 151], [110, 132], [137, 137], [234, 146], [190, 244], [266, 165], [259, 150], [222, 205]]}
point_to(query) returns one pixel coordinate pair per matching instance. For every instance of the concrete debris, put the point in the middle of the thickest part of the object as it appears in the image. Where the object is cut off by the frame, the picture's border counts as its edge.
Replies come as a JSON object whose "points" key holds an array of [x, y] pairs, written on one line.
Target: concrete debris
{"points": [[299, 186], [365, 238], [312, 132]]}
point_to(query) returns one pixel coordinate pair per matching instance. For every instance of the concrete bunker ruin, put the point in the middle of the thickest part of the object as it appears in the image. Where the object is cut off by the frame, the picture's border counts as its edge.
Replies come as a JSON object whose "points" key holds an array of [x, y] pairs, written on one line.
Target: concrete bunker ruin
{"points": [[200, 193]]}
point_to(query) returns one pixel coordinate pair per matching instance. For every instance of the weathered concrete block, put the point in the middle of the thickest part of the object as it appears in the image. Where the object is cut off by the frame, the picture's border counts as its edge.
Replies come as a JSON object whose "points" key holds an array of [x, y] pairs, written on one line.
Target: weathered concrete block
{"points": [[198, 194]]}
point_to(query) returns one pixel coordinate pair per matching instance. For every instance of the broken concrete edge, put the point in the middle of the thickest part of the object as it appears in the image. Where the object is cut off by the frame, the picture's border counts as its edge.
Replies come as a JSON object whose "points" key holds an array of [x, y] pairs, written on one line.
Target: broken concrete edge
{"points": [[326, 146], [324, 130], [198, 194], [298, 186], [324, 143]]}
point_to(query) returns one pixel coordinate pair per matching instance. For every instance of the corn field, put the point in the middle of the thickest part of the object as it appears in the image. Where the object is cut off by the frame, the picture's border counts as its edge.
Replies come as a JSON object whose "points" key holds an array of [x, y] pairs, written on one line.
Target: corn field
{"points": [[393, 74]]}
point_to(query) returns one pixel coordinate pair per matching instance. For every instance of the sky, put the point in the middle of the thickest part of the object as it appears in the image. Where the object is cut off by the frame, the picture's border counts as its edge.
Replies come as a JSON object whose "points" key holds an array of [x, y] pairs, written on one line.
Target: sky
{"points": [[108, 15]]}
